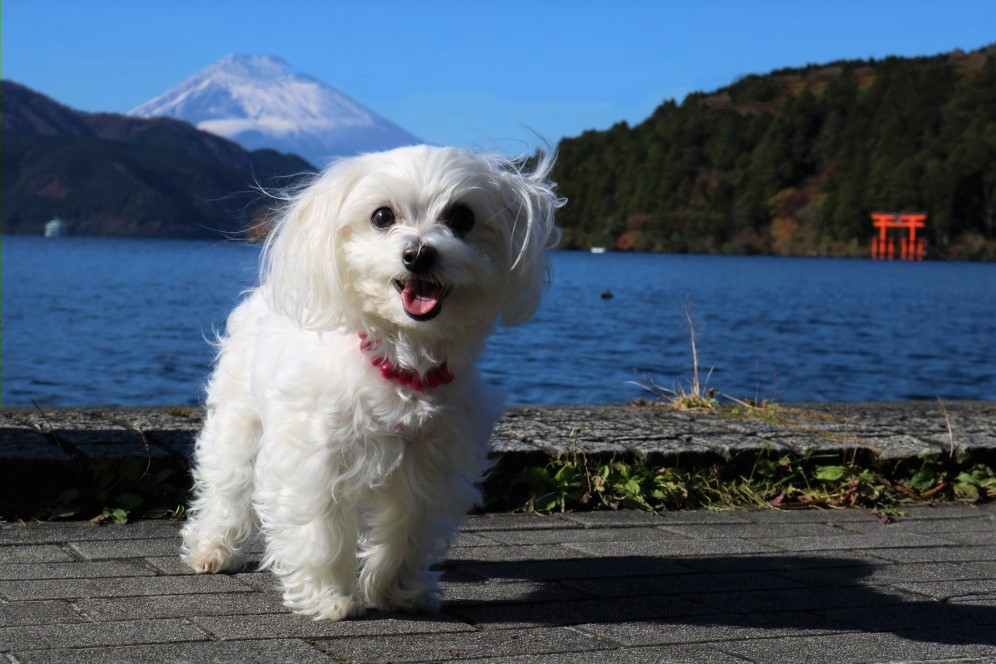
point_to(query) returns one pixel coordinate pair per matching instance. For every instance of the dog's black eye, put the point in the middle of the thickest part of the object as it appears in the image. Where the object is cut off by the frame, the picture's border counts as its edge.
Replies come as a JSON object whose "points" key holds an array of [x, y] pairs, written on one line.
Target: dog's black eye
{"points": [[382, 217], [460, 219]]}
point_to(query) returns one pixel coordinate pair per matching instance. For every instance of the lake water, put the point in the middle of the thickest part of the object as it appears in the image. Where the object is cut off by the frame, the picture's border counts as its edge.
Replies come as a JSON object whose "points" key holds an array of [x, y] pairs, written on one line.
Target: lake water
{"points": [[107, 321]]}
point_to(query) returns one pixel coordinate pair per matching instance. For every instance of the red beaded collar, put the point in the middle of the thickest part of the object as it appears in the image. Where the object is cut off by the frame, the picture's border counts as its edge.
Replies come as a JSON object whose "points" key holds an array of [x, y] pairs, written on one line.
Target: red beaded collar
{"points": [[434, 378]]}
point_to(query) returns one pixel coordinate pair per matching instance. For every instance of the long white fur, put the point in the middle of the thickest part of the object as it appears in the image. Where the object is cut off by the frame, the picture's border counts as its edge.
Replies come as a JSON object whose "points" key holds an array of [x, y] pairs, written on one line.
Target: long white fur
{"points": [[357, 483]]}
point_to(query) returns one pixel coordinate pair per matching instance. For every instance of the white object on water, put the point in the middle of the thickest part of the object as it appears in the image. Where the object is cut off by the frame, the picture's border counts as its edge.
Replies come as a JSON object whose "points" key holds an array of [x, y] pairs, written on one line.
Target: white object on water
{"points": [[598, 250], [55, 228]]}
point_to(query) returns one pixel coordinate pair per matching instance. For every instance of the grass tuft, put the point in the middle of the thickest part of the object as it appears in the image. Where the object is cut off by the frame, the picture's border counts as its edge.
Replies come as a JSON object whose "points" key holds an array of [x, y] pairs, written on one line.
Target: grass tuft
{"points": [[782, 481]]}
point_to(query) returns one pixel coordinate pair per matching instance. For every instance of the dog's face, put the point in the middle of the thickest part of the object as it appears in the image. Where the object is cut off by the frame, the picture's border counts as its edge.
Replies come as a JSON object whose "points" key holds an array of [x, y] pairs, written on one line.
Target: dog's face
{"points": [[424, 239], [424, 236]]}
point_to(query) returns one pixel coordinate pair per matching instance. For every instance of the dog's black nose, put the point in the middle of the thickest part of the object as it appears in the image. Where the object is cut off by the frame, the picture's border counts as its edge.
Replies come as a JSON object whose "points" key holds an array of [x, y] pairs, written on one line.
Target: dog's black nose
{"points": [[419, 257]]}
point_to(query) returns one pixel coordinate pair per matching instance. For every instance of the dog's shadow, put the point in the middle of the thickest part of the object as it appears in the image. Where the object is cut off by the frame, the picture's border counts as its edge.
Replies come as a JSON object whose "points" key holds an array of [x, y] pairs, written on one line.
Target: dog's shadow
{"points": [[780, 593]]}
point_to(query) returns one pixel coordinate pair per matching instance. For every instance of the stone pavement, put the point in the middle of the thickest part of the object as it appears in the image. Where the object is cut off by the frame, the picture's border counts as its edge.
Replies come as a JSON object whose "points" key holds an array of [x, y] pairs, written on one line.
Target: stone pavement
{"points": [[750, 586], [761, 586]]}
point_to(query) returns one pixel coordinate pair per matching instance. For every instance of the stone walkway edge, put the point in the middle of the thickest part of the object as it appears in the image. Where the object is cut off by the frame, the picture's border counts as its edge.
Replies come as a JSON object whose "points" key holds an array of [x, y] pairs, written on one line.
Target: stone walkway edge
{"points": [[890, 430]]}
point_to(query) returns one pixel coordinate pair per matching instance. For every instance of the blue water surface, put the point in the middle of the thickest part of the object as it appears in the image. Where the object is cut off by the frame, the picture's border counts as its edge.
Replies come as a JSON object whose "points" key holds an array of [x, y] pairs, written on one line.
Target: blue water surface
{"points": [[90, 321]]}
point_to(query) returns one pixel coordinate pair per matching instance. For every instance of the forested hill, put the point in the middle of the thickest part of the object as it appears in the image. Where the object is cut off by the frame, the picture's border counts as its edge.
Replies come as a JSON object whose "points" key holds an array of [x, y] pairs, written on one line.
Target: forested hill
{"points": [[794, 162], [108, 174]]}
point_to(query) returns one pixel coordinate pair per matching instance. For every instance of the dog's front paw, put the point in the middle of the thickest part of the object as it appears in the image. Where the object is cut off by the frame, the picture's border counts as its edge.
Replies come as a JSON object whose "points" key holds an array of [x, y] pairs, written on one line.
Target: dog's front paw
{"points": [[422, 602], [339, 608], [323, 605], [213, 560], [423, 596], [209, 557]]}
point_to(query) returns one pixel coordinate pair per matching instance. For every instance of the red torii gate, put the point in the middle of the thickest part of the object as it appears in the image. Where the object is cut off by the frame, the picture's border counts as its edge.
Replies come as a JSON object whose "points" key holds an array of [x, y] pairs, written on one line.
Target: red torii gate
{"points": [[910, 247]]}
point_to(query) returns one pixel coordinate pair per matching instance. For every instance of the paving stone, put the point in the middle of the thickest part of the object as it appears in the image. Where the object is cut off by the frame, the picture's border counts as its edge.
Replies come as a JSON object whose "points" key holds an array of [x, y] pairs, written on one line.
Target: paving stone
{"points": [[947, 512], [178, 606], [170, 565], [689, 517], [288, 625], [713, 628], [915, 616], [115, 587], [949, 590], [564, 535], [755, 531], [672, 546], [520, 615], [936, 554], [782, 562], [37, 613], [682, 584], [898, 574], [940, 527], [880, 647], [973, 600], [34, 553], [632, 518], [69, 635], [139, 548], [277, 651], [471, 540], [487, 522], [675, 654], [582, 568], [73, 570], [39, 533], [510, 591], [980, 535], [614, 519], [877, 540], [461, 645], [775, 516], [801, 599], [498, 553]]}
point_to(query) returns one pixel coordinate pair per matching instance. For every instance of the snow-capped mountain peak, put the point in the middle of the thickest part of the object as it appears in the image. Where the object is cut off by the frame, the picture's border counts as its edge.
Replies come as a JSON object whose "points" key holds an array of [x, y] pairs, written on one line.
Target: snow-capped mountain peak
{"points": [[259, 101]]}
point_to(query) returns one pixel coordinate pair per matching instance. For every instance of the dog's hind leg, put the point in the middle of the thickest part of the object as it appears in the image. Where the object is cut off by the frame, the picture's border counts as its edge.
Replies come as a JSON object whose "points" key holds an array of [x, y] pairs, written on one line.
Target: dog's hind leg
{"points": [[220, 521]]}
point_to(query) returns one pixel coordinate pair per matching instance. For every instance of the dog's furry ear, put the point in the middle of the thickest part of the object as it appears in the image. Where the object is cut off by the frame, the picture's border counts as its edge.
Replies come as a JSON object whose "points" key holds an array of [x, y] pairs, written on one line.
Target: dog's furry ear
{"points": [[299, 265], [530, 200]]}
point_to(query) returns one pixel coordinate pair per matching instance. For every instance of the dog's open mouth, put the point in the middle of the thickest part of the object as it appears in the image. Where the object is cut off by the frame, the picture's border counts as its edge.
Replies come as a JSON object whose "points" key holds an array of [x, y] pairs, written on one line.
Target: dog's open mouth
{"points": [[421, 298]]}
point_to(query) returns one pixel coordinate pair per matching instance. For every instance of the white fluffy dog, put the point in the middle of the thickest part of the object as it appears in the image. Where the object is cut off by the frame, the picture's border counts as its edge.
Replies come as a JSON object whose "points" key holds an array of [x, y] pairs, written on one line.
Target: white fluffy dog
{"points": [[345, 410]]}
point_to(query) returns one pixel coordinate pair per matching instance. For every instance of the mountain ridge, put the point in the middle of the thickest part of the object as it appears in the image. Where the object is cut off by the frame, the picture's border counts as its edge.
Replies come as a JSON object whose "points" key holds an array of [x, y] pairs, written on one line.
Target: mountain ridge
{"points": [[259, 101], [109, 174]]}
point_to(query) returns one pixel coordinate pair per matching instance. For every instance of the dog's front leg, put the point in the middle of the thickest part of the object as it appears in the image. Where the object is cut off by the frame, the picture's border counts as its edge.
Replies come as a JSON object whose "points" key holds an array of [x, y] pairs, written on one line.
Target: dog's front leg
{"points": [[415, 517], [311, 532]]}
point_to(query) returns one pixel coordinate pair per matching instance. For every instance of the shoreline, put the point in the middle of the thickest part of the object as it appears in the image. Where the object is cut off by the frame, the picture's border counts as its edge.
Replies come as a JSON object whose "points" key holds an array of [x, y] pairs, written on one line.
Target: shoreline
{"points": [[116, 458]]}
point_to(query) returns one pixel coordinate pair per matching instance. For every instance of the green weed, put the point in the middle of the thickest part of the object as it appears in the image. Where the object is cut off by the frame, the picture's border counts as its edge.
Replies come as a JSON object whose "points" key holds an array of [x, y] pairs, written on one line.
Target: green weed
{"points": [[114, 490], [782, 481]]}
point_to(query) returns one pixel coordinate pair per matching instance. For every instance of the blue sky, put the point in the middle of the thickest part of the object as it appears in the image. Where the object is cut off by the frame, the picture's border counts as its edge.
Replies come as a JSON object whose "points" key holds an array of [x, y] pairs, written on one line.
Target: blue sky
{"points": [[470, 73]]}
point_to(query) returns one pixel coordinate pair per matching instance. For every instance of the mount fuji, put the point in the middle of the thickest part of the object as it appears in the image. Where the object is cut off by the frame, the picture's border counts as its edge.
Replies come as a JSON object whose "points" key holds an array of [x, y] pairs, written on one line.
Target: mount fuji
{"points": [[259, 102]]}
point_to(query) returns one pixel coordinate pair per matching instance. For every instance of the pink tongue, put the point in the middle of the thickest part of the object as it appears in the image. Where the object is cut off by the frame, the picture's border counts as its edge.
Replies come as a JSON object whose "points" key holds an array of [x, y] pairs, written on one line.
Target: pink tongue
{"points": [[420, 297]]}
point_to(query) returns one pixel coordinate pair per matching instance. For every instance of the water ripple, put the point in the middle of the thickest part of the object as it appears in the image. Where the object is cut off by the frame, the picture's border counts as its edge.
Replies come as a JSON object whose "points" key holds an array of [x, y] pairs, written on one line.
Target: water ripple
{"points": [[96, 321]]}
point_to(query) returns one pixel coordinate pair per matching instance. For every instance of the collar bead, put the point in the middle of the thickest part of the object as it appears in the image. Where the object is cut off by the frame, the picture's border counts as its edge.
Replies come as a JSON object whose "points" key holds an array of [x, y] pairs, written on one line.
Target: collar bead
{"points": [[406, 377]]}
